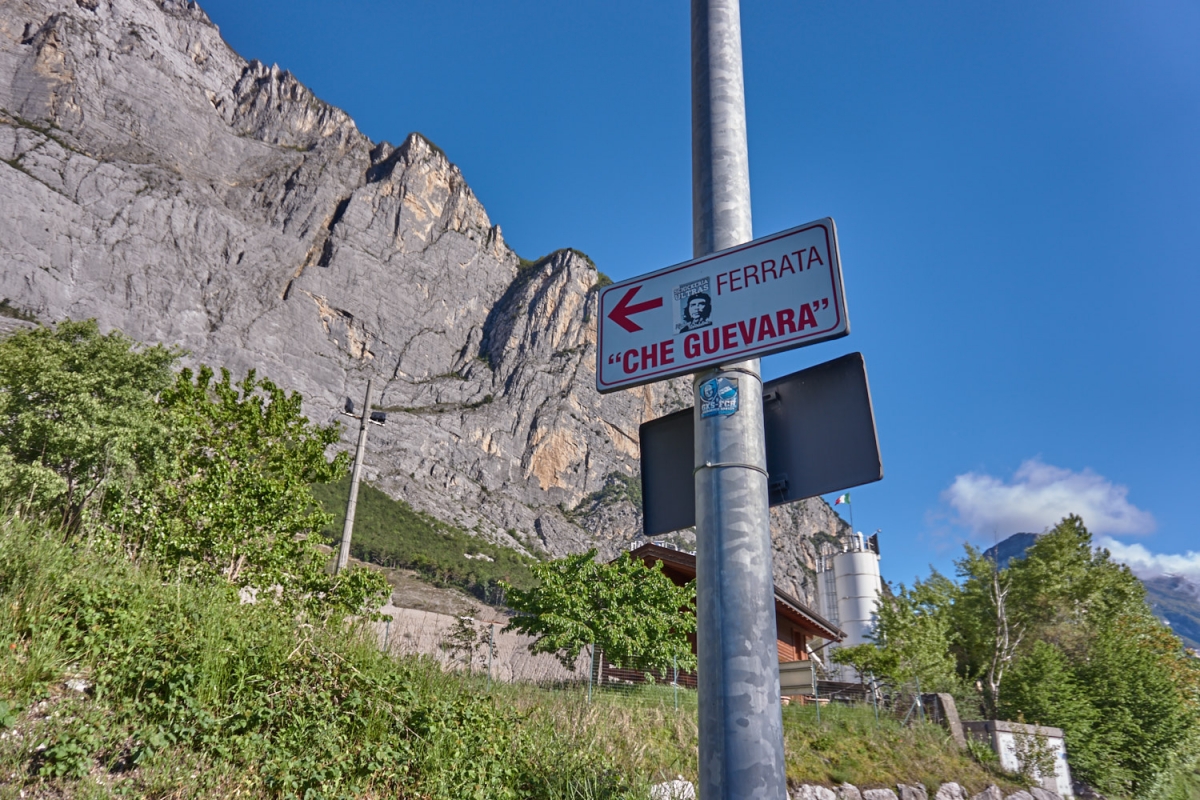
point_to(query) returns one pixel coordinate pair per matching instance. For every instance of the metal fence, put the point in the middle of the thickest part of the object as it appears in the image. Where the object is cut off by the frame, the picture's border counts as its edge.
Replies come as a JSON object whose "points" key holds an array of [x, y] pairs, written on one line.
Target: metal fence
{"points": [[481, 647]]}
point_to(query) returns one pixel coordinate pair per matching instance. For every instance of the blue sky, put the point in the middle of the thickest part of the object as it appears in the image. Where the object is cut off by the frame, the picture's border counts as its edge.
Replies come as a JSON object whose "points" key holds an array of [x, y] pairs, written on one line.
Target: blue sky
{"points": [[1016, 188]]}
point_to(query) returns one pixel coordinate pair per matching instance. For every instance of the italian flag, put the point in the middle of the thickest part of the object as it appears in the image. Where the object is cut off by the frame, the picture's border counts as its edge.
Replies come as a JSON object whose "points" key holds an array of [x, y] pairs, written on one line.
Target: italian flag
{"points": [[843, 499]]}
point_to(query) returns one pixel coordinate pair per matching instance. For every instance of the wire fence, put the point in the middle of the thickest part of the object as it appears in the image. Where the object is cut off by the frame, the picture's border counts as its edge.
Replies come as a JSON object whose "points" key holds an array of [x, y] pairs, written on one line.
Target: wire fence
{"points": [[481, 647]]}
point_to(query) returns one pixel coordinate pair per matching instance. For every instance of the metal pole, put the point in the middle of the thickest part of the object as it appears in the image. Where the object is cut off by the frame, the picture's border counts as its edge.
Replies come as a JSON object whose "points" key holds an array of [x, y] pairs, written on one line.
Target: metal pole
{"points": [[491, 648], [591, 669], [741, 721], [675, 679], [817, 693], [352, 501]]}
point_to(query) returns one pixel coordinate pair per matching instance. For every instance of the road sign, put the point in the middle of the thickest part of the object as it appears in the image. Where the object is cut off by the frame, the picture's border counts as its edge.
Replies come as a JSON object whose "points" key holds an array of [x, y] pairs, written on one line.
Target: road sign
{"points": [[773, 294], [820, 436]]}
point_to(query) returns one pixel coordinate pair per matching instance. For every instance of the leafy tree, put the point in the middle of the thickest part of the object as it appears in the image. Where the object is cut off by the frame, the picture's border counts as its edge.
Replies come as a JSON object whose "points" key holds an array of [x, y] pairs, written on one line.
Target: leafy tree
{"points": [[989, 627], [1044, 689], [915, 635], [1060, 637], [207, 478], [1144, 692], [867, 659], [234, 502], [633, 612], [78, 410]]}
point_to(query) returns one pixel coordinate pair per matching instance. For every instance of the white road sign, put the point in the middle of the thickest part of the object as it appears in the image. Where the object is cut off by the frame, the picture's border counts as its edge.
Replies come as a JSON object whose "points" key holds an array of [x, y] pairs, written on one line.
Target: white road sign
{"points": [[773, 294]]}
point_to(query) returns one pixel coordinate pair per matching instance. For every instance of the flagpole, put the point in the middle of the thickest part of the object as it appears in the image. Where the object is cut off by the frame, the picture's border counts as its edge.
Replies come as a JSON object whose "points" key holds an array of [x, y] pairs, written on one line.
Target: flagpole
{"points": [[845, 498]]}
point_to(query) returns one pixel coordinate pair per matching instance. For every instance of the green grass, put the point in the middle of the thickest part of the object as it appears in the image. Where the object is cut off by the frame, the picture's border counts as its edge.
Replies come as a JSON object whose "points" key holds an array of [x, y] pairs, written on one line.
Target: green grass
{"points": [[848, 745], [391, 533], [617, 487], [9, 310], [190, 693], [193, 694]]}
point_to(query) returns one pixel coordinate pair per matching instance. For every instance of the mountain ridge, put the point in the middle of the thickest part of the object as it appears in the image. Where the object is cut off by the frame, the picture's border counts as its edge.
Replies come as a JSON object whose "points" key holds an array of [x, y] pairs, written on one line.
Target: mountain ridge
{"points": [[170, 188], [1174, 598]]}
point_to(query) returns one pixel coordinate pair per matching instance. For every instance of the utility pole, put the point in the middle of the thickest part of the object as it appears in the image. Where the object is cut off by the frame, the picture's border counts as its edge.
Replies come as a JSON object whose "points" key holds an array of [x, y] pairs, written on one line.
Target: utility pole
{"points": [[741, 722], [352, 501]]}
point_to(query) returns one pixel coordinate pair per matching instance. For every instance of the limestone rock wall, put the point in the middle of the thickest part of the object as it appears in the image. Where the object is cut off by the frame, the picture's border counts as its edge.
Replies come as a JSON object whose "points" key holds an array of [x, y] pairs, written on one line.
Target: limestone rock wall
{"points": [[154, 179]]}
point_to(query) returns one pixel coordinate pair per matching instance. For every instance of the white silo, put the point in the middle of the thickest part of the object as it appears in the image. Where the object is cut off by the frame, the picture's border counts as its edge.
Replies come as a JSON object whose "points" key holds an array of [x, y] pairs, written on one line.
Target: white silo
{"points": [[850, 587]]}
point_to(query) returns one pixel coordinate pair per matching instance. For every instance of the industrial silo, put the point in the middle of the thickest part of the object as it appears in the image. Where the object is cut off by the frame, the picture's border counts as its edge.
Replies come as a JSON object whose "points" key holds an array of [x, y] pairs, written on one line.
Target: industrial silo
{"points": [[850, 586]]}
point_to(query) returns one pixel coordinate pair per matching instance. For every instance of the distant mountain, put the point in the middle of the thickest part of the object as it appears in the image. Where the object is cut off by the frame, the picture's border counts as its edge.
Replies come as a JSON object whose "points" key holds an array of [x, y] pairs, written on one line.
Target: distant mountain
{"points": [[1175, 599], [1012, 547]]}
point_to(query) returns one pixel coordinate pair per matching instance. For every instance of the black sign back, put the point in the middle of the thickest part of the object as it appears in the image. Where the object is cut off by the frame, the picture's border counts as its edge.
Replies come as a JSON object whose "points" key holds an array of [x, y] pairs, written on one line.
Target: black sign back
{"points": [[820, 433]]}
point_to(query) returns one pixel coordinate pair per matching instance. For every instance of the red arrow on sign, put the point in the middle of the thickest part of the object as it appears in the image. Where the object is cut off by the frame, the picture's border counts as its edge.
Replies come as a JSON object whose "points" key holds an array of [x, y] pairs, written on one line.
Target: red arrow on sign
{"points": [[622, 312]]}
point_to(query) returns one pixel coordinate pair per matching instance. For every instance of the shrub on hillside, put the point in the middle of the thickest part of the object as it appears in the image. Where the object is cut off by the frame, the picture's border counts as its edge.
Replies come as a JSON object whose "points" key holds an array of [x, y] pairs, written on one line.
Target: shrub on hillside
{"points": [[250, 700], [208, 478]]}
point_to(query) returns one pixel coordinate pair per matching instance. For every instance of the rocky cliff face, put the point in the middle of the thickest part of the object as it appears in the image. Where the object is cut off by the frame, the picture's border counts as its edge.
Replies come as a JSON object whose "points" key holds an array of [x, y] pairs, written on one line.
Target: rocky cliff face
{"points": [[155, 180]]}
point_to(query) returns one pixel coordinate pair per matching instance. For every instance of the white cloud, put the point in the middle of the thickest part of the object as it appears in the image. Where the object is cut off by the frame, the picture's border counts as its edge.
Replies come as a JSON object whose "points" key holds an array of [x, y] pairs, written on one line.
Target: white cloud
{"points": [[1148, 565], [1038, 496]]}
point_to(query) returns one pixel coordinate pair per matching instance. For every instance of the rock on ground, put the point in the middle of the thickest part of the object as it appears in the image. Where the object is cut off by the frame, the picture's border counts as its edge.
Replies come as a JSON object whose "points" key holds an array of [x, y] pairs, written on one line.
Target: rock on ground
{"points": [[950, 791], [678, 789]]}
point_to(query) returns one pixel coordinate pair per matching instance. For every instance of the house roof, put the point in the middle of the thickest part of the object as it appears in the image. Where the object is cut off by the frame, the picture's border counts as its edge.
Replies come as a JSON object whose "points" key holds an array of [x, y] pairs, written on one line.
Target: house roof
{"points": [[684, 562]]}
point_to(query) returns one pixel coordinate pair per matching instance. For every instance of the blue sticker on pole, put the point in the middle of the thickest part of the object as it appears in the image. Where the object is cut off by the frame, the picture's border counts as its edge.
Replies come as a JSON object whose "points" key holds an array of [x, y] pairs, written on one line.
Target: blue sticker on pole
{"points": [[719, 397]]}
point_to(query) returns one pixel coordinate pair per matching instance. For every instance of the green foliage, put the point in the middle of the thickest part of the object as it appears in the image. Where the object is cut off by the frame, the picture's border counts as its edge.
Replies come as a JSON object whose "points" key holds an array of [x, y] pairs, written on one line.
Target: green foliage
{"points": [[916, 636], [849, 745], [233, 500], [207, 478], [261, 703], [867, 659], [392, 534], [617, 487], [1034, 755], [7, 309], [193, 694], [633, 612], [1062, 637], [8, 714], [77, 412], [1043, 686], [602, 280]]}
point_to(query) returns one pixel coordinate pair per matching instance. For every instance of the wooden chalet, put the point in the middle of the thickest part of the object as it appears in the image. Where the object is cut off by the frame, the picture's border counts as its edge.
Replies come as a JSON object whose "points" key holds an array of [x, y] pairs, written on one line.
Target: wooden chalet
{"points": [[796, 625]]}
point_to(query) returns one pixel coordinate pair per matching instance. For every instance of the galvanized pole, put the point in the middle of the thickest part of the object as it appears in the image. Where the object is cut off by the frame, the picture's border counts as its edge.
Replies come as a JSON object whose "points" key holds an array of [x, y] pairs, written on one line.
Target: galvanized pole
{"points": [[817, 693], [675, 680], [491, 650], [352, 502], [741, 723]]}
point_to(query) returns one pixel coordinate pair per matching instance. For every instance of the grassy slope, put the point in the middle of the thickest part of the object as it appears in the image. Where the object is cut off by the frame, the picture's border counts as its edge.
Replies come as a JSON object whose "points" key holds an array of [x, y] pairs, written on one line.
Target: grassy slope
{"points": [[391, 533], [192, 694]]}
